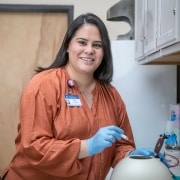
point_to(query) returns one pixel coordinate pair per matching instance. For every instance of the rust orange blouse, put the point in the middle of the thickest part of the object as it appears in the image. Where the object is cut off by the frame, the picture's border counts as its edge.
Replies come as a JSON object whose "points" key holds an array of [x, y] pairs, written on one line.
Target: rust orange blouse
{"points": [[48, 141]]}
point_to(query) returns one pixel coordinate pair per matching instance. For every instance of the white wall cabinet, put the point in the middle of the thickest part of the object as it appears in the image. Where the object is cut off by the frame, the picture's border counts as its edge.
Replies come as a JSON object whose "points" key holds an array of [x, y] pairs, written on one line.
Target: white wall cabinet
{"points": [[139, 29], [150, 26], [167, 23], [157, 31]]}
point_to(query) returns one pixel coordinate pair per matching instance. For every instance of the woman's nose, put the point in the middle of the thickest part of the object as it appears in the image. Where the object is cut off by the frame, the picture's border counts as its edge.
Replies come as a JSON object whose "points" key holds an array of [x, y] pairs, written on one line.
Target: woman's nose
{"points": [[89, 49]]}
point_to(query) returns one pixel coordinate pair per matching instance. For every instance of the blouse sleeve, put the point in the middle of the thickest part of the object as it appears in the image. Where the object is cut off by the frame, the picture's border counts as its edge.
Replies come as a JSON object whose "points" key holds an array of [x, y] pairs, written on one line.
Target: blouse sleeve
{"points": [[38, 108], [123, 146]]}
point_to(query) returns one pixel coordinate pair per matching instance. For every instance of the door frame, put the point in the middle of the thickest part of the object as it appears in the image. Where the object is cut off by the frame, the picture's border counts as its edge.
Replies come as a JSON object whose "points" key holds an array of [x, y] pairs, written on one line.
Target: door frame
{"points": [[69, 9]]}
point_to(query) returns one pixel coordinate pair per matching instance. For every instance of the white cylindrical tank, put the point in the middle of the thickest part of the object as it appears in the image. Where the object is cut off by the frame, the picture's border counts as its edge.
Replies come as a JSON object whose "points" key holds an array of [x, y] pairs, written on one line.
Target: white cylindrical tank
{"points": [[140, 168]]}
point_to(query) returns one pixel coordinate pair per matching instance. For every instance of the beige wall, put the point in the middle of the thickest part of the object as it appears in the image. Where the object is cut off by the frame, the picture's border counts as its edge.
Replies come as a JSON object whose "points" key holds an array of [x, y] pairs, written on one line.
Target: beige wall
{"points": [[99, 7]]}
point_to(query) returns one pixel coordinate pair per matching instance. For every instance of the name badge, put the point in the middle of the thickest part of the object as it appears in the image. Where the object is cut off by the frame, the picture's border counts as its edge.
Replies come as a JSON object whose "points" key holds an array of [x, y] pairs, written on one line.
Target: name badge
{"points": [[72, 100]]}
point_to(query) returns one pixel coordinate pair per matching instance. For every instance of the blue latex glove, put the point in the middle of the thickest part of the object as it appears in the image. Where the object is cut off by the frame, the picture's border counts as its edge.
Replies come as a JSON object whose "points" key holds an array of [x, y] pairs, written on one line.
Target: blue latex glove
{"points": [[149, 152], [104, 138], [142, 151]]}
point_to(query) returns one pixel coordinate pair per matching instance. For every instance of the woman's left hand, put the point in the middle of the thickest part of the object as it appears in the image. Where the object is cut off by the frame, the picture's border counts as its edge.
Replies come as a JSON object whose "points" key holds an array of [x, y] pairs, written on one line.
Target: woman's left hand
{"points": [[149, 152], [142, 151]]}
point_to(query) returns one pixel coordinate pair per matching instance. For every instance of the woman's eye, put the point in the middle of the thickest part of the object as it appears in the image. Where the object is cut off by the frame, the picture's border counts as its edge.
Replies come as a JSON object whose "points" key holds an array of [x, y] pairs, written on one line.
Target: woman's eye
{"points": [[97, 45], [82, 43]]}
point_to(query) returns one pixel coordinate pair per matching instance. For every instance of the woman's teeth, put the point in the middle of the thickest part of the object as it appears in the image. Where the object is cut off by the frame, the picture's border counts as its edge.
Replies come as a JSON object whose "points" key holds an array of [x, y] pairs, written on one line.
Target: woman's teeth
{"points": [[87, 59]]}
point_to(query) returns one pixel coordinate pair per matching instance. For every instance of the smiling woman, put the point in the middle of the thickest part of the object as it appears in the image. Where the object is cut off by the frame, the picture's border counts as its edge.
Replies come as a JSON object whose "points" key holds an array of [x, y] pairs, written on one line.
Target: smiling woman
{"points": [[30, 36], [85, 54], [73, 130]]}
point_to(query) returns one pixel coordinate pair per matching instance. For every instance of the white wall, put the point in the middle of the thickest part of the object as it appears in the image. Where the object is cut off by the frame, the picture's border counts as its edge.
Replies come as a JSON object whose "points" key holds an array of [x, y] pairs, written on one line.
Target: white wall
{"points": [[147, 90], [99, 7]]}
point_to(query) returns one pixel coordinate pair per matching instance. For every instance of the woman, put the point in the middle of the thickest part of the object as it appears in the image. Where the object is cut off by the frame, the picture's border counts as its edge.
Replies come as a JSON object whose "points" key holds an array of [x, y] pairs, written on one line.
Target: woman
{"points": [[71, 117]]}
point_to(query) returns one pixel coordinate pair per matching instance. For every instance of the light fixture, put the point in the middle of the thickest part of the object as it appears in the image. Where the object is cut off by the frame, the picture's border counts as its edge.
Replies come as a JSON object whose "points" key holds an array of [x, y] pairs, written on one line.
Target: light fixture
{"points": [[123, 11]]}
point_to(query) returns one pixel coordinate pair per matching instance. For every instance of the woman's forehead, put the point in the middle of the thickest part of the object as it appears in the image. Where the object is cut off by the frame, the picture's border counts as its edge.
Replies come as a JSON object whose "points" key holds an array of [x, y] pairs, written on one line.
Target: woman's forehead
{"points": [[88, 30]]}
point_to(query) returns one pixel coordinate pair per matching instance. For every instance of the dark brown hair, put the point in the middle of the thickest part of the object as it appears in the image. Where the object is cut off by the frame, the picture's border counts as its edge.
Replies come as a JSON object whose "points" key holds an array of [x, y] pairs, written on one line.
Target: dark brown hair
{"points": [[104, 72]]}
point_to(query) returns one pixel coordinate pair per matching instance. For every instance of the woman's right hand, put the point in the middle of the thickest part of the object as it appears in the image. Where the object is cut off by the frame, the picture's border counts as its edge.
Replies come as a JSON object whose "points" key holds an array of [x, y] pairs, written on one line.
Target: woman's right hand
{"points": [[104, 138]]}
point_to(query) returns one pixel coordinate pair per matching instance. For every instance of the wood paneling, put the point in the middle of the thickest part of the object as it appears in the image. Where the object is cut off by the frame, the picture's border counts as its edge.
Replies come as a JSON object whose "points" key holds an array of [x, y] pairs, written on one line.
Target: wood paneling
{"points": [[27, 40]]}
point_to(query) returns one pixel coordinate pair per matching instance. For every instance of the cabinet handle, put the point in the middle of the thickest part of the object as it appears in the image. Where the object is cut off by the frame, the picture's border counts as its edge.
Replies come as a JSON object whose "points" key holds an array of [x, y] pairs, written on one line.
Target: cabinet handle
{"points": [[174, 11]]}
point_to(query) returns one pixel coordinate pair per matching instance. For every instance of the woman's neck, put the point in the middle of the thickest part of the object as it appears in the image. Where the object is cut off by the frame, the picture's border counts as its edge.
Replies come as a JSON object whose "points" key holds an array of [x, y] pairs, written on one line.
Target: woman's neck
{"points": [[85, 82]]}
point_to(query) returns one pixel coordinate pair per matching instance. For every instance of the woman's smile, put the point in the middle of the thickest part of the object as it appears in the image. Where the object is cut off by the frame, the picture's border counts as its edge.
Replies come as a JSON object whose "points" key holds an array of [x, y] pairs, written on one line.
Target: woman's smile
{"points": [[87, 59]]}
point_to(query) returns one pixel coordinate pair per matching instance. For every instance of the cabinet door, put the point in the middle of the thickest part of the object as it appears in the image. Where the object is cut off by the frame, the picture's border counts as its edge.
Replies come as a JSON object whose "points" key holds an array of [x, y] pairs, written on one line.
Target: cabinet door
{"points": [[139, 29], [167, 17], [150, 26]]}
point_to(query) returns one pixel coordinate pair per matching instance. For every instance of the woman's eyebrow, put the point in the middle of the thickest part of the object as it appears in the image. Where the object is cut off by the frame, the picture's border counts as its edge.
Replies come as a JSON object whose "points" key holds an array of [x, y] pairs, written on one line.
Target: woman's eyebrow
{"points": [[97, 41], [81, 39]]}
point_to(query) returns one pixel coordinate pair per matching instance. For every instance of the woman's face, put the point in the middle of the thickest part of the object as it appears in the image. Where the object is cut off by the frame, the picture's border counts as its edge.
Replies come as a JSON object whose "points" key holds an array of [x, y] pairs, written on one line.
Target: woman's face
{"points": [[85, 50]]}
